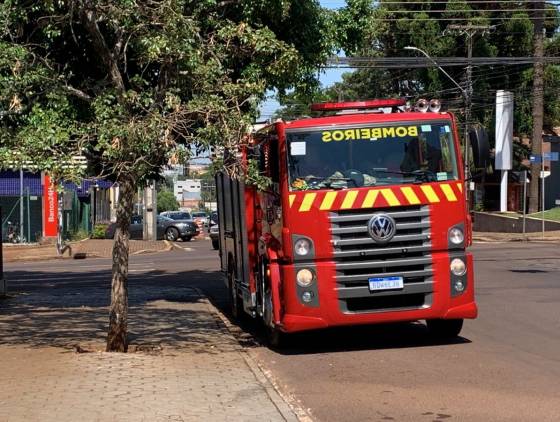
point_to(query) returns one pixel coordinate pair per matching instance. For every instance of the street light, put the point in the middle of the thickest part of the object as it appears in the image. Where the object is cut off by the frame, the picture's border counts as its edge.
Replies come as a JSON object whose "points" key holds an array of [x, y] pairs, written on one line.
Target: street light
{"points": [[463, 91], [466, 96]]}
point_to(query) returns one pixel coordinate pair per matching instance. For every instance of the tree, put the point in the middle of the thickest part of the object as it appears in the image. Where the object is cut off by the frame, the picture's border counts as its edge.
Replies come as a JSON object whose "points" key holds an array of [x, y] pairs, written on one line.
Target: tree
{"points": [[166, 201], [136, 85]]}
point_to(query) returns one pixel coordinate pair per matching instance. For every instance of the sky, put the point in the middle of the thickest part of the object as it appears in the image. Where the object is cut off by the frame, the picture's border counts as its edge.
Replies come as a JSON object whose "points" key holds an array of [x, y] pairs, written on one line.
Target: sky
{"points": [[327, 78]]}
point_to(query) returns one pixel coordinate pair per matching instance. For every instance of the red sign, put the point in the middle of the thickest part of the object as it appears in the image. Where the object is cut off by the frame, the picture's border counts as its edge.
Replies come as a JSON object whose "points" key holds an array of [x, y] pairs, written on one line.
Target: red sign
{"points": [[50, 208]]}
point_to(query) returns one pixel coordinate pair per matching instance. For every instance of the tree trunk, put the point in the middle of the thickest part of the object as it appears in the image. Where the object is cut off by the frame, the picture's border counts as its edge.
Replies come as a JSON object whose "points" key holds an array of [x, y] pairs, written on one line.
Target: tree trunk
{"points": [[118, 312]]}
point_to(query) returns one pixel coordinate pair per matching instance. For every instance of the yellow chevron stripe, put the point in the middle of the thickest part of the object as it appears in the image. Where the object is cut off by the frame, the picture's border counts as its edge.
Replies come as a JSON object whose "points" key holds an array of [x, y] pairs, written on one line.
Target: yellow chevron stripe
{"points": [[410, 195], [307, 202], [390, 197], [449, 193], [370, 199], [460, 186], [349, 199], [430, 194], [292, 198], [328, 201]]}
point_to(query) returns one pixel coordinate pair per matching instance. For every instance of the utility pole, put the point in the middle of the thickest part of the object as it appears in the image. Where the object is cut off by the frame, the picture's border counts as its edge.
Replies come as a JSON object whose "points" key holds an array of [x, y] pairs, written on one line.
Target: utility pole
{"points": [[538, 103], [469, 31]]}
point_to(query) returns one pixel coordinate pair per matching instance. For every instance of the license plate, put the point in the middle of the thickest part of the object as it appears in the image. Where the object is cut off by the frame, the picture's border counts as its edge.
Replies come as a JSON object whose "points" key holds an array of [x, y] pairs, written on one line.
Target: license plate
{"points": [[385, 283]]}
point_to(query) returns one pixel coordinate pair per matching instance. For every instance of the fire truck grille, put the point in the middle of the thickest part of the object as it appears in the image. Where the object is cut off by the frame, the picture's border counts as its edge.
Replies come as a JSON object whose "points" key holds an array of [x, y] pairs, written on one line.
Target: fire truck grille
{"points": [[358, 258]]}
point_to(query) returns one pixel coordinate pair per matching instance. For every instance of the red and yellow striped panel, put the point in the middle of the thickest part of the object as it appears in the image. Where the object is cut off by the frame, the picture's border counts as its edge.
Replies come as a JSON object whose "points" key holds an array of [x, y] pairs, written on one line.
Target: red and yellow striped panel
{"points": [[378, 197]]}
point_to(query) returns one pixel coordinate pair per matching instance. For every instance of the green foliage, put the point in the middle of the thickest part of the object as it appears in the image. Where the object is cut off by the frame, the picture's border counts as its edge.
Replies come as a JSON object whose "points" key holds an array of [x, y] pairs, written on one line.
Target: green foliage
{"points": [[166, 201], [384, 28], [80, 234], [135, 85], [99, 231]]}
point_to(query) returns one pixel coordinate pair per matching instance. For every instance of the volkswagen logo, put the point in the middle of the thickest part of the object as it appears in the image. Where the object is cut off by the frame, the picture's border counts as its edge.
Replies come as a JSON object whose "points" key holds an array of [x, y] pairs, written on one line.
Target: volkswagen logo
{"points": [[382, 228]]}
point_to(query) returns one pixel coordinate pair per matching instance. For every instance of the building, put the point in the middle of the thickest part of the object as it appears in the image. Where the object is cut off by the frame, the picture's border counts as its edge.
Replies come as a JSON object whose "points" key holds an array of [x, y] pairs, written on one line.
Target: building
{"points": [[189, 185]]}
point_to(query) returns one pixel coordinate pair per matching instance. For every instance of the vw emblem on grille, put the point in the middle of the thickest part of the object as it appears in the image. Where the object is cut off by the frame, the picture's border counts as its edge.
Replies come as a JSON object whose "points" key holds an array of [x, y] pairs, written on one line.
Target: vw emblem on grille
{"points": [[382, 228]]}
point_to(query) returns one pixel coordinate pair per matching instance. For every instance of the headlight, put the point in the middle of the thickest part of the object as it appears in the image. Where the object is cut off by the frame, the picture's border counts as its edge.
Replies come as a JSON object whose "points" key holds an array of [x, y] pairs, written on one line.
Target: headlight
{"points": [[304, 277], [458, 267], [302, 247], [456, 236]]}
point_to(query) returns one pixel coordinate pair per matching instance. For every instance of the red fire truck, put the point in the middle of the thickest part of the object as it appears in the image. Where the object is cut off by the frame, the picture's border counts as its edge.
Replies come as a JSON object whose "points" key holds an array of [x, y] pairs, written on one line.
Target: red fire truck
{"points": [[365, 221]]}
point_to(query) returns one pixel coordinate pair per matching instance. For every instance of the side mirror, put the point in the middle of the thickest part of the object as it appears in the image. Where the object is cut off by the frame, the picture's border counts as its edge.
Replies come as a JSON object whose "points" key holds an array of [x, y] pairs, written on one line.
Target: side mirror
{"points": [[478, 137]]}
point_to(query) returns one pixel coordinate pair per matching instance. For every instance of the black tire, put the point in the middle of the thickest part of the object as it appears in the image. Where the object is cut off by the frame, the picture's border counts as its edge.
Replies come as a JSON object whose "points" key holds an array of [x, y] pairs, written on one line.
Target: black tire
{"points": [[444, 328], [275, 338], [187, 238], [235, 304], [216, 244], [172, 234]]}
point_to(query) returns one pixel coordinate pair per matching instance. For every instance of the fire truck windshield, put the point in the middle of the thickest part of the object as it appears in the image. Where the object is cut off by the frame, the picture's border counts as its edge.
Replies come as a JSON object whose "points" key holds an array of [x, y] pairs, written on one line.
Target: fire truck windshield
{"points": [[373, 155]]}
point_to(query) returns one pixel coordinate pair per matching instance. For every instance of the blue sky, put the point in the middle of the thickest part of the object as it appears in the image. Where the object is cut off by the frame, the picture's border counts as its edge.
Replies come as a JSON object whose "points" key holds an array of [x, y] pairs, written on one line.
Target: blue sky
{"points": [[327, 78]]}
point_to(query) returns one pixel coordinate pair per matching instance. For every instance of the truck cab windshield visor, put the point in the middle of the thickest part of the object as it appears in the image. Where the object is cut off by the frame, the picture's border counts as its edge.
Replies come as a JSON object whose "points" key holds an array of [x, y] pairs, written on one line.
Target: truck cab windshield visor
{"points": [[392, 154]]}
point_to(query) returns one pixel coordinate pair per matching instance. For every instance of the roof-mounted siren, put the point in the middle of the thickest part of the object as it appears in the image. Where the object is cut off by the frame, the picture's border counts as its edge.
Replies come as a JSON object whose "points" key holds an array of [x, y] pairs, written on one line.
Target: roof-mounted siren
{"points": [[376, 105], [423, 105]]}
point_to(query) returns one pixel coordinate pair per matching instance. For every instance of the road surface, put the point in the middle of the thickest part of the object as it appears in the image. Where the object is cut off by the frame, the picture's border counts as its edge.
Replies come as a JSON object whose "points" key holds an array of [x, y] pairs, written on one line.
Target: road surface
{"points": [[506, 365]]}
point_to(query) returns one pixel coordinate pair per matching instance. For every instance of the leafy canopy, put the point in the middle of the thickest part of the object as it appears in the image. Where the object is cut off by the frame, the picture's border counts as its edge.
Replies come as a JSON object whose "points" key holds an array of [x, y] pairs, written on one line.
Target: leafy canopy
{"points": [[130, 84]]}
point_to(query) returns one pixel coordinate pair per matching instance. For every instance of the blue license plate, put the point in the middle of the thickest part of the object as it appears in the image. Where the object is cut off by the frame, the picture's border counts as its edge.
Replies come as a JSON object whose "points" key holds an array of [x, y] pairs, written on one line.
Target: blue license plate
{"points": [[385, 283]]}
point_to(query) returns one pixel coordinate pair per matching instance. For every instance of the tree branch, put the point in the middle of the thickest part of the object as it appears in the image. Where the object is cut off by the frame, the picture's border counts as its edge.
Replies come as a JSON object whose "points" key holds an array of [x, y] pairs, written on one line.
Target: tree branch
{"points": [[78, 93], [89, 18]]}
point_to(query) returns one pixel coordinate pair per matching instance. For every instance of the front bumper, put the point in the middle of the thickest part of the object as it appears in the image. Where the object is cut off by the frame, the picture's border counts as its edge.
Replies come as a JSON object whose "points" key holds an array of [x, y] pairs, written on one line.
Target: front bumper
{"points": [[188, 231], [329, 311]]}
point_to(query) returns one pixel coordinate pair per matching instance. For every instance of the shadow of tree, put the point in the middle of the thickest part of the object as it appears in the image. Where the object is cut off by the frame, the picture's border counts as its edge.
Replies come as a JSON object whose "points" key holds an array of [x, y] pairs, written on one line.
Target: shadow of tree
{"points": [[166, 310], [66, 309]]}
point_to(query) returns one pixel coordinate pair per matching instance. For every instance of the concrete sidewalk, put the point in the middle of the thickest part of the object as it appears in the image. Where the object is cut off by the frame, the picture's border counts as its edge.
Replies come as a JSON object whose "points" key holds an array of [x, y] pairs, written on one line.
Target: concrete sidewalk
{"points": [[99, 248], [551, 236], [184, 366]]}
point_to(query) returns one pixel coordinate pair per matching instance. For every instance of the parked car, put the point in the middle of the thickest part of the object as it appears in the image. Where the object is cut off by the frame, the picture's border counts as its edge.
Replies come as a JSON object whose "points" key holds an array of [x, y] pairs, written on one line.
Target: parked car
{"points": [[167, 228], [200, 217], [215, 236], [213, 219]]}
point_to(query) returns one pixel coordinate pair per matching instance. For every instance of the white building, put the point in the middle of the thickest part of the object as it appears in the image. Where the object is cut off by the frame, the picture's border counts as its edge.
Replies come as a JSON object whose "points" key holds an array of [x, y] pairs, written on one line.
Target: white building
{"points": [[189, 185]]}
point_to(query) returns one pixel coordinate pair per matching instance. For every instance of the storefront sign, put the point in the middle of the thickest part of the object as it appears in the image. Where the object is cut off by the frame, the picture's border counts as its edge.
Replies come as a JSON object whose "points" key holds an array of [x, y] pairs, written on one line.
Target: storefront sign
{"points": [[50, 208]]}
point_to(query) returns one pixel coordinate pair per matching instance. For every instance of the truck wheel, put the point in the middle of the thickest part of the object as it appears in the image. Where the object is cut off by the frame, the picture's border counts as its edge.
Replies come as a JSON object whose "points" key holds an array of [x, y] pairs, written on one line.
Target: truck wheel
{"points": [[235, 305], [172, 234], [216, 244], [444, 328], [275, 338]]}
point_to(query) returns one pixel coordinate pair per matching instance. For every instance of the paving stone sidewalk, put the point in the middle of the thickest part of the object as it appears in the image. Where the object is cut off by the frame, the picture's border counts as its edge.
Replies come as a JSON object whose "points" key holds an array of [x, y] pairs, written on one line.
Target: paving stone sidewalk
{"points": [[184, 366]]}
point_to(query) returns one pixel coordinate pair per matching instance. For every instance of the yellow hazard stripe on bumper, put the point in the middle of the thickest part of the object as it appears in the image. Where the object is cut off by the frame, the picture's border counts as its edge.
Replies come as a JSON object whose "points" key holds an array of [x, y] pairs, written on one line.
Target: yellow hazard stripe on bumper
{"points": [[430, 194], [349, 199], [390, 197], [328, 201], [410, 195], [307, 202], [460, 186], [292, 199], [369, 201], [448, 192]]}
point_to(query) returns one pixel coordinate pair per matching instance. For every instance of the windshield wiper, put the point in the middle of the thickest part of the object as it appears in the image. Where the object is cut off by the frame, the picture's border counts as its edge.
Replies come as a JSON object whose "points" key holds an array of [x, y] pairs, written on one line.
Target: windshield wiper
{"points": [[421, 175]]}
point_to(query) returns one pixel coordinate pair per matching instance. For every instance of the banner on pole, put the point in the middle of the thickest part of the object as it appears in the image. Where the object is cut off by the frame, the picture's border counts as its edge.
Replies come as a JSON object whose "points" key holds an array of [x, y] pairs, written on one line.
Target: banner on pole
{"points": [[50, 208]]}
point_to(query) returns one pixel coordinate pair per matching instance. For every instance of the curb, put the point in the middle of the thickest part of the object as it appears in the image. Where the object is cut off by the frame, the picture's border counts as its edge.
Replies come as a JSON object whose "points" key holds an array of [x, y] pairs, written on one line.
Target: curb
{"points": [[287, 405]]}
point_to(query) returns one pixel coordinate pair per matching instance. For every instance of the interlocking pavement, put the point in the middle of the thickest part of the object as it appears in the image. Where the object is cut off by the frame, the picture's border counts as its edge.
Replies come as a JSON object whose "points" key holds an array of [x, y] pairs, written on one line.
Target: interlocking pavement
{"points": [[184, 364]]}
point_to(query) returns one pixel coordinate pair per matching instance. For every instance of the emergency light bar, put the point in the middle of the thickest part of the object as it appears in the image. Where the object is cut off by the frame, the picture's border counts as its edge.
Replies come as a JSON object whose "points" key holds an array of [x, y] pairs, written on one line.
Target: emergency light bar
{"points": [[359, 105]]}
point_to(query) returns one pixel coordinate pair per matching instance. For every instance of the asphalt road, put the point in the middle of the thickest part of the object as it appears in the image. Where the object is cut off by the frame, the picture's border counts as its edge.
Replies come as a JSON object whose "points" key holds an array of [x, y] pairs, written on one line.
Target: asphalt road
{"points": [[506, 365]]}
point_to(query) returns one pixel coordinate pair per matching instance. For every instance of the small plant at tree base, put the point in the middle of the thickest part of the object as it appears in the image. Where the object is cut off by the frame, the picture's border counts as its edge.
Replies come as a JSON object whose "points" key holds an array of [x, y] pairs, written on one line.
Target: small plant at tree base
{"points": [[99, 231]]}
